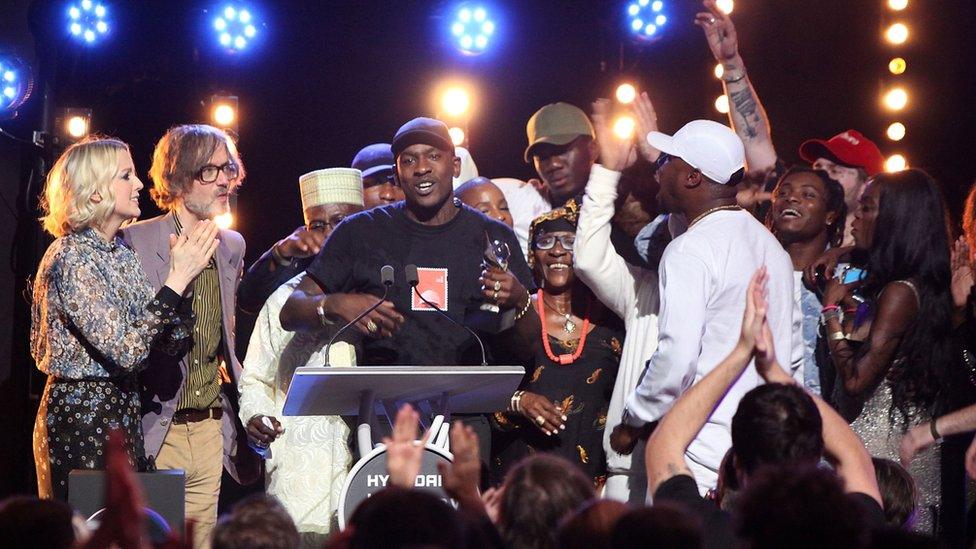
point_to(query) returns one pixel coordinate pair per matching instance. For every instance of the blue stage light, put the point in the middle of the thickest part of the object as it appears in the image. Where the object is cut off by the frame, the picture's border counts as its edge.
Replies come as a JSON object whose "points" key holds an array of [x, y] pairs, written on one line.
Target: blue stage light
{"points": [[236, 27], [472, 29], [646, 19], [88, 21], [16, 84]]}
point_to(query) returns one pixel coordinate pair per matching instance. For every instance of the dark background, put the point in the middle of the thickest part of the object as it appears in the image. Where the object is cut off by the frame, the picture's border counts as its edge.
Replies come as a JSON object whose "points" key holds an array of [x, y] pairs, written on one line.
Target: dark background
{"points": [[330, 77]]}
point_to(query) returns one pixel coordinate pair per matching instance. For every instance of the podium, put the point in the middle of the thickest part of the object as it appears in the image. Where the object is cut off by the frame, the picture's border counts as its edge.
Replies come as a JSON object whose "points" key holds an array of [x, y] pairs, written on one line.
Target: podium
{"points": [[367, 391]]}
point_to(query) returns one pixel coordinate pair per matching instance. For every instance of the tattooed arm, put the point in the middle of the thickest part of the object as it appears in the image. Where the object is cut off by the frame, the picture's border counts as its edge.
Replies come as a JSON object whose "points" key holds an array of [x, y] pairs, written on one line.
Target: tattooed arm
{"points": [[747, 114]]}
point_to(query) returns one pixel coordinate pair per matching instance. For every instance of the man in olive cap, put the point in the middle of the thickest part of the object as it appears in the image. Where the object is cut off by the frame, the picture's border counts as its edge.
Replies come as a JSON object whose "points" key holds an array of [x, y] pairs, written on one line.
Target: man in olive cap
{"points": [[562, 149]]}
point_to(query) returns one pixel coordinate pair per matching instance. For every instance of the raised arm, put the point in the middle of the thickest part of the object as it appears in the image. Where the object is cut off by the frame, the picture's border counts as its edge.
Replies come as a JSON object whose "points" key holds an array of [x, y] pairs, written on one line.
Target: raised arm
{"points": [[595, 261], [748, 117], [665, 451]]}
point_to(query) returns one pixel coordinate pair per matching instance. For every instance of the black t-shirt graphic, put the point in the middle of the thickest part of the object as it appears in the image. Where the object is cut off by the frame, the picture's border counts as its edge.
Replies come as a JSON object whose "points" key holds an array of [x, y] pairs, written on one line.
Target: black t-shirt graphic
{"points": [[448, 258]]}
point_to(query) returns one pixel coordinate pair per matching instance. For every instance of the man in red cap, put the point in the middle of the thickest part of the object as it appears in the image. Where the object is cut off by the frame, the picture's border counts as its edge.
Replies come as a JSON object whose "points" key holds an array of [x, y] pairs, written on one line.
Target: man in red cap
{"points": [[848, 157]]}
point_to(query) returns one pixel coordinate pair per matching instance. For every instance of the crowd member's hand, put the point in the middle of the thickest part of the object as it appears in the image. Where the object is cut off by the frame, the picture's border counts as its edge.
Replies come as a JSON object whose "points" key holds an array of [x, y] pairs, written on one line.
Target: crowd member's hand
{"points": [[755, 313], [403, 451], [537, 407], [259, 432], [971, 459], [646, 122], [492, 500], [615, 154], [301, 243], [751, 195], [962, 273], [382, 322], [462, 476], [624, 438], [502, 288], [826, 262], [190, 253], [123, 524], [915, 440], [838, 293], [719, 31]]}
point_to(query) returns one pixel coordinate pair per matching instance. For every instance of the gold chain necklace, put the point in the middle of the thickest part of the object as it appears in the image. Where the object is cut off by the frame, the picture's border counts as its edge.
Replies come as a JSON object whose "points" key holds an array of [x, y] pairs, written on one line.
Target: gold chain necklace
{"points": [[569, 326], [731, 207]]}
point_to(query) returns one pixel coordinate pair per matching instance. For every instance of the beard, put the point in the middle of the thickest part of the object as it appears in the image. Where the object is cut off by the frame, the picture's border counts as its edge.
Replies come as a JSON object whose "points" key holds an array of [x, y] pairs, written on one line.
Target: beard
{"points": [[206, 210]]}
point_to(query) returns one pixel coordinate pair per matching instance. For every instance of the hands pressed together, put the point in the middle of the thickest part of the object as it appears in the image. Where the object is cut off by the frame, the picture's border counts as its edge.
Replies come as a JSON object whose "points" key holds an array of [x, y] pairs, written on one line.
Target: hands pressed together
{"points": [[190, 253]]}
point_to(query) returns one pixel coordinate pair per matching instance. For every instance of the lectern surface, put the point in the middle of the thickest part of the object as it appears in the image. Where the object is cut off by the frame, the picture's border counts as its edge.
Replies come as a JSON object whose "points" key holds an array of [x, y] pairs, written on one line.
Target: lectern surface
{"points": [[316, 391]]}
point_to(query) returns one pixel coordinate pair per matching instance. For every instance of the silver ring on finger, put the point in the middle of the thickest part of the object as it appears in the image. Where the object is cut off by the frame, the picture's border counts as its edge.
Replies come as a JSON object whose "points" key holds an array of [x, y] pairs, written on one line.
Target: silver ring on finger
{"points": [[540, 421], [371, 326], [711, 20], [497, 286], [494, 296]]}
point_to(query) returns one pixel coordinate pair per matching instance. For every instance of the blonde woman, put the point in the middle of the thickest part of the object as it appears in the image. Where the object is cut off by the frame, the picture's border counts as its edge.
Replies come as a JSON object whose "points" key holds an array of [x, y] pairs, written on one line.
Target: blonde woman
{"points": [[94, 317]]}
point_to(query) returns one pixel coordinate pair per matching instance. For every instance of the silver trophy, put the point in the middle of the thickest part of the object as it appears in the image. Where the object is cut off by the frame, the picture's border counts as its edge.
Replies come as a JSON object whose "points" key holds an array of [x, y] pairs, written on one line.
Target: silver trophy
{"points": [[497, 254]]}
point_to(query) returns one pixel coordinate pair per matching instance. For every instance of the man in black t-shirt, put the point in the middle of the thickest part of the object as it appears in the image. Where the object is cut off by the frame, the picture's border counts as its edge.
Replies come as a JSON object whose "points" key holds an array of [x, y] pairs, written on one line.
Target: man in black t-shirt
{"points": [[431, 229], [776, 424]]}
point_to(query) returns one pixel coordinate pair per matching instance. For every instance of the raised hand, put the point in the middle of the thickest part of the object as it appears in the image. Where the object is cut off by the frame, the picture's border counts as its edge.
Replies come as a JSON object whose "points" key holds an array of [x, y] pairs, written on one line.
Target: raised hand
{"points": [[462, 476], [301, 243], [719, 31], [646, 122], [755, 313], [403, 451], [509, 293], [189, 254], [962, 273], [615, 154]]}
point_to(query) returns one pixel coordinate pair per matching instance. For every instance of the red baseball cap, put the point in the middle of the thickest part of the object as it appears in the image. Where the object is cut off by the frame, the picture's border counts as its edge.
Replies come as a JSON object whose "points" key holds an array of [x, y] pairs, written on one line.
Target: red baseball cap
{"points": [[849, 148]]}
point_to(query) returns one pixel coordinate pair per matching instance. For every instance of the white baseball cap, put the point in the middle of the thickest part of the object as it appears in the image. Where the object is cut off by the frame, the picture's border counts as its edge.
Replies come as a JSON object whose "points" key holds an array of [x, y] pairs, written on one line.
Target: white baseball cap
{"points": [[711, 148]]}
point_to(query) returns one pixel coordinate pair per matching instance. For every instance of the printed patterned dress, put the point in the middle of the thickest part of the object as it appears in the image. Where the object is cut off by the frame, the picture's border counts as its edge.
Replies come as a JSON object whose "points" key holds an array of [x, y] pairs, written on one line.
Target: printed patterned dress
{"points": [[582, 388], [94, 321]]}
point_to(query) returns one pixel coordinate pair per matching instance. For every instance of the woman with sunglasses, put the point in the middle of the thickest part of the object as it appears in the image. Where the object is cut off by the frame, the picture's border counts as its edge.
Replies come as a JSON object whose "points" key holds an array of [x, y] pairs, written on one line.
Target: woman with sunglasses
{"points": [[561, 406]]}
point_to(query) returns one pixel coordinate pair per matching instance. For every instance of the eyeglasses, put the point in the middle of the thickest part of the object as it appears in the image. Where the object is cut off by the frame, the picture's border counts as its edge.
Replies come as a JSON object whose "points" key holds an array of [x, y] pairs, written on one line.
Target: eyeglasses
{"points": [[547, 241], [322, 226], [210, 172], [662, 160]]}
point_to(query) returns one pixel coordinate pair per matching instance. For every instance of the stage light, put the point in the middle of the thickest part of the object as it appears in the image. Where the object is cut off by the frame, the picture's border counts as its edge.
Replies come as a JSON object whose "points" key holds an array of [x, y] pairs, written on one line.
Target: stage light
{"points": [[626, 93], [224, 220], [472, 29], [455, 101], [897, 65], [623, 127], [725, 6], [897, 33], [236, 27], [719, 70], [896, 163], [896, 131], [646, 19], [897, 5], [896, 99], [16, 84], [722, 104], [73, 124], [223, 111], [87, 21], [457, 135]]}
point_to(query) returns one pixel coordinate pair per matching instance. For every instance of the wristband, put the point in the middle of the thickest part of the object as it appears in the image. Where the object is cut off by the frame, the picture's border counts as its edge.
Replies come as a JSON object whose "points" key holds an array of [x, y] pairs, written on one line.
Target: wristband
{"points": [[829, 308], [935, 432], [320, 310], [280, 259], [734, 80], [837, 336]]}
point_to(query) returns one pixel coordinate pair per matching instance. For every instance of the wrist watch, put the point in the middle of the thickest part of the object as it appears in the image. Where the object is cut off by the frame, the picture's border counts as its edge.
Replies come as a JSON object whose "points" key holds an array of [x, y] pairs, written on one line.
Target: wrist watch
{"points": [[280, 259], [320, 310]]}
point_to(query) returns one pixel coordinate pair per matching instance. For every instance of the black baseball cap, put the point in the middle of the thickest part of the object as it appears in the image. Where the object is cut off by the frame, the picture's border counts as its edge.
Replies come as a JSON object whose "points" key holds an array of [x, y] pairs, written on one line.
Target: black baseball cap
{"points": [[427, 131]]}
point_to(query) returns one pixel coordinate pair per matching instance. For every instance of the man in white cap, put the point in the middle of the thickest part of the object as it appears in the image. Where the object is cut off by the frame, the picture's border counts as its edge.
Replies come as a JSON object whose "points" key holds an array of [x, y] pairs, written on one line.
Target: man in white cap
{"points": [[326, 201], [704, 273], [309, 456]]}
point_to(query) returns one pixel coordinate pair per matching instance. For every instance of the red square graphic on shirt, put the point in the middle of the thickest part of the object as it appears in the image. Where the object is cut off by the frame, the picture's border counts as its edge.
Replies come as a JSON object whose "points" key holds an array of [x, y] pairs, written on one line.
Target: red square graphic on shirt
{"points": [[433, 286]]}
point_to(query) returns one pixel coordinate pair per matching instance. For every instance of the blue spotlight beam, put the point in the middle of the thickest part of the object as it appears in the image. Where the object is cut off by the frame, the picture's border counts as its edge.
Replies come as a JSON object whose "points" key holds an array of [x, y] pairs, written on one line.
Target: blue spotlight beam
{"points": [[472, 29], [88, 21], [646, 19], [16, 84]]}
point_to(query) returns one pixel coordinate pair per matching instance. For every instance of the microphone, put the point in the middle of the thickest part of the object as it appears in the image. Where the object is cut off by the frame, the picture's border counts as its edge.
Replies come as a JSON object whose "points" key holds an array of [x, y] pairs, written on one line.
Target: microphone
{"points": [[386, 277], [413, 279]]}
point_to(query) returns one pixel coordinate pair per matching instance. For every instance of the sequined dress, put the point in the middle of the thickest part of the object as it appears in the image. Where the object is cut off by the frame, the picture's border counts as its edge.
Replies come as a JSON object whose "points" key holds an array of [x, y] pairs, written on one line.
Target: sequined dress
{"points": [[94, 320], [882, 431]]}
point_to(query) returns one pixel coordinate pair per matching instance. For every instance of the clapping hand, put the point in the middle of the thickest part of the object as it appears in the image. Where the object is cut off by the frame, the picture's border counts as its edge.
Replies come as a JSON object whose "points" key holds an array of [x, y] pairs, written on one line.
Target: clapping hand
{"points": [[403, 451], [646, 119], [190, 253], [462, 477], [615, 154], [962, 273]]}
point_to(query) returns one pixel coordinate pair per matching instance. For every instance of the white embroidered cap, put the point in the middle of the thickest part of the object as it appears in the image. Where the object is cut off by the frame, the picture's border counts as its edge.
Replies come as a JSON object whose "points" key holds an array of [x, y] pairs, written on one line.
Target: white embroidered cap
{"points": [[331, 186]]}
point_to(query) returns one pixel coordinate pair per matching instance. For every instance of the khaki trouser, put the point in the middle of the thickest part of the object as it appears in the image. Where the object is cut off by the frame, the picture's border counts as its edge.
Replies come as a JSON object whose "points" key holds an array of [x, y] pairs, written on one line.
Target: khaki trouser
{"points": [[198, 449]]}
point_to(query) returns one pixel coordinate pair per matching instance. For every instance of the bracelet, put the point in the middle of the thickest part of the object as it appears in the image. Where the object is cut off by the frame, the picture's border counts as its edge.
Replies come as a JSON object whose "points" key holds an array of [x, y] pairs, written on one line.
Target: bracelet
{"points": [[834, 314], [734, 80], [320, 310], [829, 308], [516, 402], [528, 304], [935, 432], [280, 259], [837, 336]]}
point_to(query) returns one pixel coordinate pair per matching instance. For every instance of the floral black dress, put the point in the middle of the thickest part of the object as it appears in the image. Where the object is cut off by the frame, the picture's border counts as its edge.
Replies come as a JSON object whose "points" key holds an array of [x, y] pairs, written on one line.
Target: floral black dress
{"points": [[93, 321], [582, 389]]}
